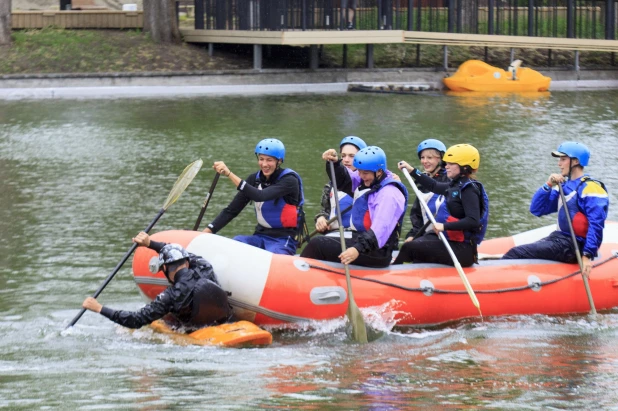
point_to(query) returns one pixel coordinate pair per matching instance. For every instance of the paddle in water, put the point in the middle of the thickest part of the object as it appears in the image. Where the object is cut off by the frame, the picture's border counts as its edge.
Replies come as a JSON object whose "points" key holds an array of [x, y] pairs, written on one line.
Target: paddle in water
{"points": [[359, 330], [179, 187]]}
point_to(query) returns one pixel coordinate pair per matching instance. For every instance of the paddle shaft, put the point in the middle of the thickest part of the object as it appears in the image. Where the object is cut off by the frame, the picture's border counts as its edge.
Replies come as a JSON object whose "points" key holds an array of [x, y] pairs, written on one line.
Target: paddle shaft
{"points": [[421, 200], [118, 267], [358, 326], [206, 201], [593, 310]]}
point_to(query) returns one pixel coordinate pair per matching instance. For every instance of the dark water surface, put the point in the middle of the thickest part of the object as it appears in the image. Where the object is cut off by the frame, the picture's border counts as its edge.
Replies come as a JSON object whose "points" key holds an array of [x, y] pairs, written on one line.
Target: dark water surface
{"points": [[79, 178]]}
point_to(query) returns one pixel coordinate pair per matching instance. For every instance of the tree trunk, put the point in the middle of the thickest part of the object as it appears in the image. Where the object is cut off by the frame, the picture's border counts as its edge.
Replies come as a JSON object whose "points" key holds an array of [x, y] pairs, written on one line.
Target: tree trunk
{"points": [[5, 22], [160, 21]]}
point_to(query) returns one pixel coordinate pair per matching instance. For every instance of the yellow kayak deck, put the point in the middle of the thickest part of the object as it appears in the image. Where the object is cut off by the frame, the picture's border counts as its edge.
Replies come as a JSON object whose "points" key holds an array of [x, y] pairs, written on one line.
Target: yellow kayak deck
{"points": [[228, 335]]}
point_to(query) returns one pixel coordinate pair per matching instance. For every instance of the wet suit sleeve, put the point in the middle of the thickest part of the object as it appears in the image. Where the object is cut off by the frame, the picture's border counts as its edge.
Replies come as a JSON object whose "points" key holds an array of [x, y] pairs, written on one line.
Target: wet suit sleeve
{"points": [[544, 201], [429, 183], [230, 212], [342, 177], [366, 242], [471, 203], [156, 245], [325, 203], [149, 313], [287, 187]]}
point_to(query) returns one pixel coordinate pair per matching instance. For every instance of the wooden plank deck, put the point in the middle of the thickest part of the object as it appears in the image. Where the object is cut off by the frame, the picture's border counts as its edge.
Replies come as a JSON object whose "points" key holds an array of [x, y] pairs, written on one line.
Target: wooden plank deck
{"points": [[293, 38], [78, 19], [296, 38]]}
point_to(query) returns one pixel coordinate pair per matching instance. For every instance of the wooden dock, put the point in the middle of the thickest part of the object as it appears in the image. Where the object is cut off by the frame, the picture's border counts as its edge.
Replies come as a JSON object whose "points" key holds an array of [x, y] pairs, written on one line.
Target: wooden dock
{"points": [[78, 19]]}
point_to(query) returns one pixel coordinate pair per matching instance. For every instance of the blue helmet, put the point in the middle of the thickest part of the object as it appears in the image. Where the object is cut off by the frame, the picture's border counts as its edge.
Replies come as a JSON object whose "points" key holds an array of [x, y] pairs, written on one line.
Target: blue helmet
{"points": [[431, 143], [371, 158], [355, 141], [573, 150], [271, 147]]}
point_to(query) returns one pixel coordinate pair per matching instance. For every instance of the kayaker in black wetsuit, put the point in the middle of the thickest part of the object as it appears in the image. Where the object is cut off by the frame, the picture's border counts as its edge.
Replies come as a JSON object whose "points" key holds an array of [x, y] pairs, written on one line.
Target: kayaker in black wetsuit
{"points": [[194, 299]]}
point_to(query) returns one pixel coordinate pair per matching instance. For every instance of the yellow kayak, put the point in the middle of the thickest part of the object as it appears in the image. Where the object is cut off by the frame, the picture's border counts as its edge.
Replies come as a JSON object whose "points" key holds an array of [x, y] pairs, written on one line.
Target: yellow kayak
{"points": [[229, 335], [476, 75]]}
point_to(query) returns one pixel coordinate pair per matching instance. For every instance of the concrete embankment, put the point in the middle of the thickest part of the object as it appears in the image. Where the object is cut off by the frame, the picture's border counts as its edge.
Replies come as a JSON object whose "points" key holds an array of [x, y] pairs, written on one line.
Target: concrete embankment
{"points": [[251, 82]]}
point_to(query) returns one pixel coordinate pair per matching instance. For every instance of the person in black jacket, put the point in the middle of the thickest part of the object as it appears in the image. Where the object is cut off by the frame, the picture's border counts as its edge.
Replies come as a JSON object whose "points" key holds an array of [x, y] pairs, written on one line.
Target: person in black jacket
{"points": [[194, 299], [462, 216], [277, 195]]}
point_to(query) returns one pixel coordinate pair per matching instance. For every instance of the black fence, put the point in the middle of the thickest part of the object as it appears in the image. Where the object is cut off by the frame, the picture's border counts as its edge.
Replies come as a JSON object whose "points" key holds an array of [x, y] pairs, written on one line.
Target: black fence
{"points": [[594, 19]]}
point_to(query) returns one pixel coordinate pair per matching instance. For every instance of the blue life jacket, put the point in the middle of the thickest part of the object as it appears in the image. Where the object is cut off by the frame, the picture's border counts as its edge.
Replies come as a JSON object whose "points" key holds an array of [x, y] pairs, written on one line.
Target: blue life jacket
{"points": [[444, 215], [360, 220], [574, 191], [277, 213]]}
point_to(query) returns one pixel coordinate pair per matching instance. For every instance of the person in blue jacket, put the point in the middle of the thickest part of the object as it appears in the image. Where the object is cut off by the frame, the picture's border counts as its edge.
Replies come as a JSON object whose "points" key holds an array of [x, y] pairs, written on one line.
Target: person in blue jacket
{"points": [[193, 300], [430, 153], [348, 148], [587, 202], [277, 194]]}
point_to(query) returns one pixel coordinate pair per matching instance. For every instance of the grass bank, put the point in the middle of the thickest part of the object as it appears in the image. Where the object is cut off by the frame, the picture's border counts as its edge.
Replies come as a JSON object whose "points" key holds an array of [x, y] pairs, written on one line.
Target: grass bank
{"points": [[96, 51], [54, 50]]}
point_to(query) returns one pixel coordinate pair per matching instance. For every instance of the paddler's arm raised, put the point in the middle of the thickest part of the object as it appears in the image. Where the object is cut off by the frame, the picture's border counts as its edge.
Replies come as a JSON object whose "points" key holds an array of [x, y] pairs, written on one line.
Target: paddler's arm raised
{"points": [[230, 212], [427, 182], [143, 240], [343, 175]]}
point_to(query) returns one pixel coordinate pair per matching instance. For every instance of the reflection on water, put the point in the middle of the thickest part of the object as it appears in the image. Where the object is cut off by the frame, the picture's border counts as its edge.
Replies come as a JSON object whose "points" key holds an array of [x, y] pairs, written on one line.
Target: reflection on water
{"points": [[79, 178]]}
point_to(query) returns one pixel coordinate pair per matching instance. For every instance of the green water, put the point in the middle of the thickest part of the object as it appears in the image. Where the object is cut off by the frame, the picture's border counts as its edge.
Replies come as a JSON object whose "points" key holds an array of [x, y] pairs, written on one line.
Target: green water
{"points": [[79, 178]]}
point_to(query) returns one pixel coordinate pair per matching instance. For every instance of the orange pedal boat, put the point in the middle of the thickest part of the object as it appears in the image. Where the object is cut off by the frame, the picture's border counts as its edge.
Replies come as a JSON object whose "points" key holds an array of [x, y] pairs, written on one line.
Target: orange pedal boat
{"points": [[275, 289], [476, 75]]}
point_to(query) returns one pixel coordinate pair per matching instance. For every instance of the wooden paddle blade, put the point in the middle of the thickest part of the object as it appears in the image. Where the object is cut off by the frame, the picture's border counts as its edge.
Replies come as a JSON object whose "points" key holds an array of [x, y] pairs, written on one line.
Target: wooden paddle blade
{"points": [[183, 182], [359, 331]]}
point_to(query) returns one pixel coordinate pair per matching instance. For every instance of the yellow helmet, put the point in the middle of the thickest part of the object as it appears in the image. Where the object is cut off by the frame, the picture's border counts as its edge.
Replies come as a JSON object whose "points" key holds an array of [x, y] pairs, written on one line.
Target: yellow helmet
{"points": [[463, 155]]}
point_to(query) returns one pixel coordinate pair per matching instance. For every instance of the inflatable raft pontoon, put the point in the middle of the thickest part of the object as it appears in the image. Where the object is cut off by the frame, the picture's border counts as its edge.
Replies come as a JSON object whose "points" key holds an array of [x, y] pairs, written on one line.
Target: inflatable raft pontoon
{"points": [[274, 289]]}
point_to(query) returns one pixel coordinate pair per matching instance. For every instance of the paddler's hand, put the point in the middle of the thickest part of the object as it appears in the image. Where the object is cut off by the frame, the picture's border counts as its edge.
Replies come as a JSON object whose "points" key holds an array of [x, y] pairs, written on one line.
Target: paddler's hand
{"points": [[321, 225], [396, 177], [404, 164], [142, 239], [92, 305], [221, 168], [349, 255], [587, 263], [207, 230], [555, 179], [330, 155], [438, 227], [409, 239]]}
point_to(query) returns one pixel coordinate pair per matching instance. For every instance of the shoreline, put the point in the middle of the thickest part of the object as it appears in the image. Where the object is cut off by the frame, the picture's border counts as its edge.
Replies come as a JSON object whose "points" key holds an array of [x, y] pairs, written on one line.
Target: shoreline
{"points": [[254, 82]]}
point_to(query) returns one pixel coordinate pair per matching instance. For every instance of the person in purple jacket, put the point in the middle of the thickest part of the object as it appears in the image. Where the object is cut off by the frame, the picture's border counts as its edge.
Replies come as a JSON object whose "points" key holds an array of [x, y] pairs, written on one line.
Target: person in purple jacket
{"points": [[377, 212]]}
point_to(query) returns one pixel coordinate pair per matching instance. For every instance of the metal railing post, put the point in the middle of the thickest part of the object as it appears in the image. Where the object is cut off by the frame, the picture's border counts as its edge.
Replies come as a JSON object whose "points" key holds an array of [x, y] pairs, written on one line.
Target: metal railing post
{"points": [[570, 19], [530, 18], [490, 17], [199, 14]]}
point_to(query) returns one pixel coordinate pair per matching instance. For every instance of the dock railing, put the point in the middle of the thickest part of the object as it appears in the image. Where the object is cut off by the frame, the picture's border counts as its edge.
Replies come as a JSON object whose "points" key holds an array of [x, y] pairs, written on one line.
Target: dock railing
{"points": [[594, 19]]}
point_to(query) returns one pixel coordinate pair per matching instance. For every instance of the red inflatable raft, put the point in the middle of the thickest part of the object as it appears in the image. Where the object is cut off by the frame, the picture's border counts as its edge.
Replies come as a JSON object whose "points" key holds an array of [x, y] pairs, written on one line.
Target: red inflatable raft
{"points": [[274, 289]]}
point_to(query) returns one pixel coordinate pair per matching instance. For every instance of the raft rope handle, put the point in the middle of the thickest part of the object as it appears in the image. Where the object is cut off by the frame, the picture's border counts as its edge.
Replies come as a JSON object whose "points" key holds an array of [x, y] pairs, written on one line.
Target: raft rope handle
{"points": [[439, 291]]}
